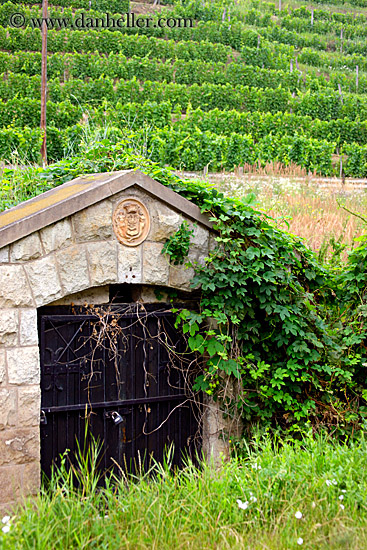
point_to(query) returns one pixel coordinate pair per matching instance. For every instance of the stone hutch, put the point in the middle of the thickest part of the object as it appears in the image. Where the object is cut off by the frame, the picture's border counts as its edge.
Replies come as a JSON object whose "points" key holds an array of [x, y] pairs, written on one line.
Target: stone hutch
{"points": [[67, 246]]}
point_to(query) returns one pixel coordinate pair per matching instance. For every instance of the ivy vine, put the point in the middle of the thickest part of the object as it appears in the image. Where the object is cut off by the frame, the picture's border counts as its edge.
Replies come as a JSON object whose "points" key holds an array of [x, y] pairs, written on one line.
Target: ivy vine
{"points": [[289, 331], [177, 246]]}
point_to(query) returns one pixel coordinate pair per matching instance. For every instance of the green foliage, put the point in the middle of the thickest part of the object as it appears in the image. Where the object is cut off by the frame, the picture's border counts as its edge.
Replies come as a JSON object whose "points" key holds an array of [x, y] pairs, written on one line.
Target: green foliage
{"points": [[197, 507], [289, 330], [177, 245]]}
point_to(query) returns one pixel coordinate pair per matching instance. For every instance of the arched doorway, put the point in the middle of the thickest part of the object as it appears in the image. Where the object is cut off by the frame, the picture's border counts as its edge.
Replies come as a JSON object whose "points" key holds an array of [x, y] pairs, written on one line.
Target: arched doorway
{"points": [[121, 370]]}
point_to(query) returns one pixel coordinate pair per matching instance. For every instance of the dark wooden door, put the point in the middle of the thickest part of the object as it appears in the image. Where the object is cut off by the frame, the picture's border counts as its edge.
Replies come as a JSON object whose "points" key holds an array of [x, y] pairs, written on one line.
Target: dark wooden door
{"points": [[130, 382]]}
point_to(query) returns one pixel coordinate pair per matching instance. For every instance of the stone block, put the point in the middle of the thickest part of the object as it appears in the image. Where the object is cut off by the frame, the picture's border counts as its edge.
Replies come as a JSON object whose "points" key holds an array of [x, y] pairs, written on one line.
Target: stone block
{"points": [[212, 242], [29, 404], [56, 236], [215, 446], [31, 478], [155, 264], [73, 269], [102, 263], [28, 333], [8, 407], [26, 249], [146, 294], [8, 327], [10, 483], [19, 446], [23, 365], [164, 222], [200, 239], [129, 264], [4, 254], [2, 366], [94, 222], [97, 295], [14, 287], [44, 280], [180, 276]]}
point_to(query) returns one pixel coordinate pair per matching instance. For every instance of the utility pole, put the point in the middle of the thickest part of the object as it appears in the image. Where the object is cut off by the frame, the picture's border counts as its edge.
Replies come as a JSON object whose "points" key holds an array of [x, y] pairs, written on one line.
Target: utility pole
{"points": [[44, 81]]}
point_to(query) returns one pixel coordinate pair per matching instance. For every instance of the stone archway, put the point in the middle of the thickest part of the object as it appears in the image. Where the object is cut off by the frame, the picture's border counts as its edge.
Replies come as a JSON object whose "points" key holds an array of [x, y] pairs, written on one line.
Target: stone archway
{"points": [[62, 247]]}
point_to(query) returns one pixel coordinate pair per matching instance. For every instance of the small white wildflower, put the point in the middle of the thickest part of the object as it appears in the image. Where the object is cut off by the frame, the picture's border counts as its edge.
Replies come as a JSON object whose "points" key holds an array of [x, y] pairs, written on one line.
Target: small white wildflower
{"points": [[313, 505], [256, 466], [343, 491], [300, 541], [341, 497], [342, 506], [242, 505], [328, 482], [335, 482], [298, 515], [253, 499], [5, 519], [6, 529]]}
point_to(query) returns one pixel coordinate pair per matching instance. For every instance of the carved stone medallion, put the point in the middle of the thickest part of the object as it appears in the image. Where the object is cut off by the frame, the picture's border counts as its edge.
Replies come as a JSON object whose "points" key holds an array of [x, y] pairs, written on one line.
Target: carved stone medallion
{"points": [[131, 222]]}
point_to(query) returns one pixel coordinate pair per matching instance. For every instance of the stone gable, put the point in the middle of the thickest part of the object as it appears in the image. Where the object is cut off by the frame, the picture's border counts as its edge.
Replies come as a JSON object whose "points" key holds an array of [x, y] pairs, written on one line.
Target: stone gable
{"points": [[61, 248]]}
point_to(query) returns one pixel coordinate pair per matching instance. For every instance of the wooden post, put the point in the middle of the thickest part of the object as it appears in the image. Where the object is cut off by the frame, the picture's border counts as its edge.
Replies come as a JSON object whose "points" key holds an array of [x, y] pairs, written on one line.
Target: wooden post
{"points": [[341, 39], [44, 81]]}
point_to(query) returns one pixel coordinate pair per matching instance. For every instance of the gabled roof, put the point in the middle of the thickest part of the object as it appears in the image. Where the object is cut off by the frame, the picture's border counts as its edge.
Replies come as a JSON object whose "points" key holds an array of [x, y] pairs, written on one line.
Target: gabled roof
{"points": [[75, 195]]}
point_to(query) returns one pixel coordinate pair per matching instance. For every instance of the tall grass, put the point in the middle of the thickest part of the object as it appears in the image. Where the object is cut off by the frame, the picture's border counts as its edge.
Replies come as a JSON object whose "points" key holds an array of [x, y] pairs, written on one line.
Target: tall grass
{"points": [[311, 210], [250, 502]]}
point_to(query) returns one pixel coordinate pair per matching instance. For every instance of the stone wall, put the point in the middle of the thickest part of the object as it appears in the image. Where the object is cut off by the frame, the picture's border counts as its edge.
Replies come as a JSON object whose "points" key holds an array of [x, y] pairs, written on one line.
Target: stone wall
{"points": [[76, 258]]}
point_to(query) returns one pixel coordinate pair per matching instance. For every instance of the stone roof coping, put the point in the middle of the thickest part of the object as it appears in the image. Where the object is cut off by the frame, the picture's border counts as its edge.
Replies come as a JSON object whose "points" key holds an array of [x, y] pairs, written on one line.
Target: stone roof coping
{"points": [[73, 196]]}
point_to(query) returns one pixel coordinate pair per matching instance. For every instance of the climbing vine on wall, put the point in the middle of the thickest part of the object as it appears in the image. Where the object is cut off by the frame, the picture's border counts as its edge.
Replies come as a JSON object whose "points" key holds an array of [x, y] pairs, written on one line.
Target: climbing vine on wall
{"points": [[287, 330]]}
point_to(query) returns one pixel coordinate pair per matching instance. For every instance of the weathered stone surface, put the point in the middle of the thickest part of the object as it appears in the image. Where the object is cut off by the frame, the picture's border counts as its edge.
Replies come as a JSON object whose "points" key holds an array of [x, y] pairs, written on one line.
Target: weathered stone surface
{"points": [[29, 404], [10, 483], [164, 223], [28, 334], [200, 239], [97, 295], [102, 263], [73, 269], [19, 446], [155, 264], [28, 248], [94, 222], [44, 280], [180, 276], [212, 242], [4, 254], [23, 365], [2, 366], [56, 236], [146, 294], [8, 327], [14, 287], [8, 407], [31, 478], [129, 264], [215, 431]]}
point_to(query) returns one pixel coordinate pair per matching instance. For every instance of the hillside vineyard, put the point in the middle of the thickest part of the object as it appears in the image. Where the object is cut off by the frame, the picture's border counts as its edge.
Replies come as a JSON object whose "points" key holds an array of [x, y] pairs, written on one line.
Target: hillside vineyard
{"points": [[246, 83]]}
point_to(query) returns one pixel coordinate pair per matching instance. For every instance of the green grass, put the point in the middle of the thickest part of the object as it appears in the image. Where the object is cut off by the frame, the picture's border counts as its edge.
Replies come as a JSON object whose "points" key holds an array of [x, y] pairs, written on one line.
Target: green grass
{"points": [[197, 508]]}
